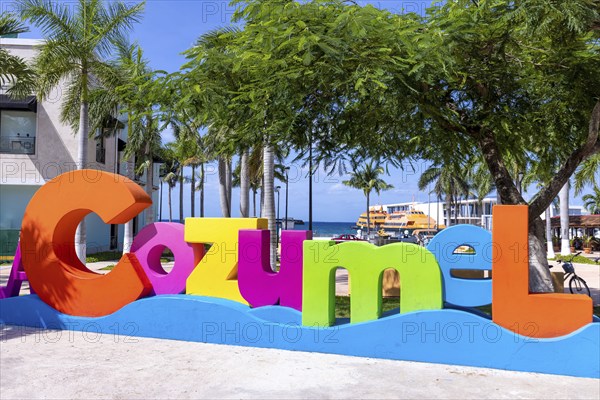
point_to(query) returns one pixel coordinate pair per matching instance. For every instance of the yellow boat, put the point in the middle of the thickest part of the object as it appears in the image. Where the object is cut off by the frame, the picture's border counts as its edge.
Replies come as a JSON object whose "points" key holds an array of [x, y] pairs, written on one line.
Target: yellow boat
{"points": [[409, 220], [377, 219]]}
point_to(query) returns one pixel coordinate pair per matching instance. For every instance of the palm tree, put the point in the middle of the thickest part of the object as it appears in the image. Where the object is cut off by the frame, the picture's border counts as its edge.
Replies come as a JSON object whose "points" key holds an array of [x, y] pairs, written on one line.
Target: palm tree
{"points": [[140, 91], [212, 69], [591, 201], [171, 179], [77, 41], [225, 184], [200, 189], [563, 196], [184, 151], [132, 66], [268, 209], [111, 101], [367, 179], [479, 181], [218, 144], [171, 168], [186, 121], [588, 173], [244, 184], [193, 162], [14, 71], [449, 182], [255, 171]]}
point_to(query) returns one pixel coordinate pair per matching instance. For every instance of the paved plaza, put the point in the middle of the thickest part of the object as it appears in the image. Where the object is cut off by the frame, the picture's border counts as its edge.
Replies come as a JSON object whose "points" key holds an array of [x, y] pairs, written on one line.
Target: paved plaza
{"points": [[64, 364], [61, 364]]}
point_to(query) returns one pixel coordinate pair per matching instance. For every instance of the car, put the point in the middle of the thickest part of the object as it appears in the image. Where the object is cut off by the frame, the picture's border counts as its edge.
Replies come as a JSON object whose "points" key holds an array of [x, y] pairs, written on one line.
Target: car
{"points": [[347, 238], [424, 236]]}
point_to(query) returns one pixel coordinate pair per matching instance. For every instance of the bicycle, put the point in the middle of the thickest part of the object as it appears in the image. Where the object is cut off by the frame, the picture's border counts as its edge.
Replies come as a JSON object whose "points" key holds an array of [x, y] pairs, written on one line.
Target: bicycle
{"points": [[577, 284]]}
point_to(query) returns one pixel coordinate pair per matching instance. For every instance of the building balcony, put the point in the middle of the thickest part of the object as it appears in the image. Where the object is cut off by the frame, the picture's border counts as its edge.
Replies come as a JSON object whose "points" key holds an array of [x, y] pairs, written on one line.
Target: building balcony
{"points": [[17, 145]]}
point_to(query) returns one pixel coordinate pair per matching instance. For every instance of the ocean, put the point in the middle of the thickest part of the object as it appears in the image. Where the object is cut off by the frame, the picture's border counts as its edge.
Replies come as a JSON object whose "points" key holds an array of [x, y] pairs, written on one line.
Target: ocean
{"points": [[328, 229], [322, 229]]}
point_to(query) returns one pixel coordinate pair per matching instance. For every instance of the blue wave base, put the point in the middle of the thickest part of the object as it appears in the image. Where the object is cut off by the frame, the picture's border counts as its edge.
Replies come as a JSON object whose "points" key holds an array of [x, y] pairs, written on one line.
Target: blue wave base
{"points": [[442, 336]]}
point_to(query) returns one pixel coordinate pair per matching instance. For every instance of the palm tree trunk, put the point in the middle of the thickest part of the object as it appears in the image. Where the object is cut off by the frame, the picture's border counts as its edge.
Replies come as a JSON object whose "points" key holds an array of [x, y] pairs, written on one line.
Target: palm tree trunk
{"points": [[160, 201], [149, 186], [193, 187], [202, 190], [368, 218], [223, 188], [437, 221], [229, 182], [181, 194], [254, 203], [244, 186], [82, 160], [448, 211], [262, 196], [549, 244], [456, 209], [170, 205], [563, 196], [269, 195], [128, 228]]}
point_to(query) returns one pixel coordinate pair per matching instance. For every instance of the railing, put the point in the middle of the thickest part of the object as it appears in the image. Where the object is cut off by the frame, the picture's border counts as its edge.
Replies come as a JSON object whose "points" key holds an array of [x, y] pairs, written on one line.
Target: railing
{"points": [[17, 145], [486, 222], [9, 239]]}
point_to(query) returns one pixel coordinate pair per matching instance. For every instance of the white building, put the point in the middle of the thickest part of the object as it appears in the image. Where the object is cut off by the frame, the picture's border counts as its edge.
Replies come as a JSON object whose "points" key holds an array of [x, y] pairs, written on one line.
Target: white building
{"points": [[573, 210], [36, 147]]}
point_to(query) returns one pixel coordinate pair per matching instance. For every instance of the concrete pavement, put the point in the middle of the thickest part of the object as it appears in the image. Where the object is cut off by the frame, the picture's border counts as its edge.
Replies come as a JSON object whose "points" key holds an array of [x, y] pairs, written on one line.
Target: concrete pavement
{"points": [[63, 364], [55, 364]]}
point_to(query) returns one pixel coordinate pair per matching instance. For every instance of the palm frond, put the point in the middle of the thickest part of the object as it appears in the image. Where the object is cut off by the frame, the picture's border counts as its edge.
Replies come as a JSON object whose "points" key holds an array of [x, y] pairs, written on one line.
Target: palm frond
{"points": [[588, 173], [114, 22], [17, 74], [9, 25], [53, 18]]}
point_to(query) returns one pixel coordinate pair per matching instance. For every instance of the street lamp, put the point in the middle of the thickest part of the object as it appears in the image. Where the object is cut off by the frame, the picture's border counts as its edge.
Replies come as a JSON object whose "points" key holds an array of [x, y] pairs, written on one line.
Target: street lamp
{"points": [[310, 182], [287, 180], [428, 207], [277, 219]]}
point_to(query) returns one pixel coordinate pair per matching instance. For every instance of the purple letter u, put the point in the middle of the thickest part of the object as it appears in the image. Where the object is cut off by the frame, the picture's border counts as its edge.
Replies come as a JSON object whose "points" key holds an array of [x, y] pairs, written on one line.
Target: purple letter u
{"points": [[259, 285]]}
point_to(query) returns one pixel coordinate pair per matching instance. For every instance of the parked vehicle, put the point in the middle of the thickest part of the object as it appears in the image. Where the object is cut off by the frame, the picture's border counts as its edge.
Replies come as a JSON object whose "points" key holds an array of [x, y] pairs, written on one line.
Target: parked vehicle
{"points": [[347, 238], [576, 284], [424, 235]]}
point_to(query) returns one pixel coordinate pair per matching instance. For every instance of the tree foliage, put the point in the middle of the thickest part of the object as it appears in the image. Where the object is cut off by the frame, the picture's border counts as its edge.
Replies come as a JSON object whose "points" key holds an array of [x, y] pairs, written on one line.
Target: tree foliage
{"points": [[366, 177], [78, 43], [591, 201], [14, 71], [510, 87]]}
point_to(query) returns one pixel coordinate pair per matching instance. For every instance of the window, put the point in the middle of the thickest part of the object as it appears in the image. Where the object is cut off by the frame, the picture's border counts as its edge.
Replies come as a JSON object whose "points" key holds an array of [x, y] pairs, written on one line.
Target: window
{"points": [[114, 237], [17, 132], [100, 150]]}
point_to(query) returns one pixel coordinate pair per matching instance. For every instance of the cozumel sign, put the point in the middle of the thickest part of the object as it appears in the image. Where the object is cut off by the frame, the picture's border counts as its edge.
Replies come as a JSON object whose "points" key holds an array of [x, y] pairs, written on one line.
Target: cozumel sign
{"points": [[233, 297]]}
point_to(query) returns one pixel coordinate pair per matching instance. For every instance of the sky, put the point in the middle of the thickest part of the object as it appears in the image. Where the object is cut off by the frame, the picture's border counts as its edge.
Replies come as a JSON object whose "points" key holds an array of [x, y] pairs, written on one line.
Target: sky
{"points": [[168, 28]]}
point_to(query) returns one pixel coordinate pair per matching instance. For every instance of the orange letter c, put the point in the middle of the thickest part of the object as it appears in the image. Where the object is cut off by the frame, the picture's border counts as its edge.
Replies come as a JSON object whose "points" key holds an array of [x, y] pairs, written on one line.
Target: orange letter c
{"points": [[48, 246]]}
